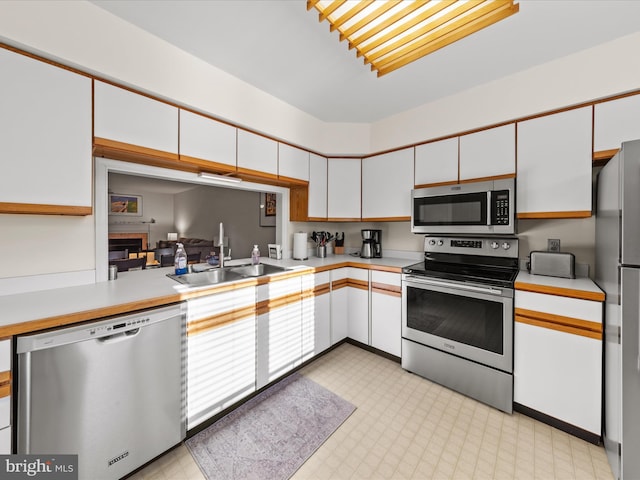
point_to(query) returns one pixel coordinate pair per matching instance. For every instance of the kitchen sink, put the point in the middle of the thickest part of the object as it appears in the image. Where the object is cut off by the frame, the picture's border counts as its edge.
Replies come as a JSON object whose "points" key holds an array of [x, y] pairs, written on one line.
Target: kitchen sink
{"points": [[223, 275]]}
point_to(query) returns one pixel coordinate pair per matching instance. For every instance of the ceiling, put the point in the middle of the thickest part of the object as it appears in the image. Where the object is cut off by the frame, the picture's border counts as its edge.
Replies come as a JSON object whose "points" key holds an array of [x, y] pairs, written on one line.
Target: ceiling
{"points": [[281, 48]]}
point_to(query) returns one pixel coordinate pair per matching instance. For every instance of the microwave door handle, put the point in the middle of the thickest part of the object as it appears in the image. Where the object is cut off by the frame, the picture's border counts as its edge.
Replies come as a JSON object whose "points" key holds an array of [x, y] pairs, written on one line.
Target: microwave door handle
{"points": [[470, 288], [489, 208]]}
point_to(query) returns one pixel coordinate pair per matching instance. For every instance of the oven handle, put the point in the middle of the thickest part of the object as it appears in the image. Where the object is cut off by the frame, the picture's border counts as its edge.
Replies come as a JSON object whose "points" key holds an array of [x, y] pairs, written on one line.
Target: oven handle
{"points": [[458, 286]]}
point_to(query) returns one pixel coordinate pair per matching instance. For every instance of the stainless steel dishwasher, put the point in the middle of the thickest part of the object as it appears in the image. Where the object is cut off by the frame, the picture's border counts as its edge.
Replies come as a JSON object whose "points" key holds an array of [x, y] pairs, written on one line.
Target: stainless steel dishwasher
{"points": [[111, 391]]}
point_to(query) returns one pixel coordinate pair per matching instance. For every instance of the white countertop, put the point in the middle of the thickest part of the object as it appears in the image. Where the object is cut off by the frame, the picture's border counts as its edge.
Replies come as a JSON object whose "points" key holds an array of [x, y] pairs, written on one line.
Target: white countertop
{"points": [[546, 284], [131, 291]]}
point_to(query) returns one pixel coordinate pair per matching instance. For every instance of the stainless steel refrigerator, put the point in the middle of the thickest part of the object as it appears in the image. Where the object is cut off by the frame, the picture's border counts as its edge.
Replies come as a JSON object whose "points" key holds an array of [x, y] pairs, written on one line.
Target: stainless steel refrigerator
{"points": [[618, 274]]}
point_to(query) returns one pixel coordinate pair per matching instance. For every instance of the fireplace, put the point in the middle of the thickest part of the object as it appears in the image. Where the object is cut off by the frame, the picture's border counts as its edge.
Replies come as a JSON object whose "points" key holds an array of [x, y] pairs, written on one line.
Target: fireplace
{"points": [[134, 242]]}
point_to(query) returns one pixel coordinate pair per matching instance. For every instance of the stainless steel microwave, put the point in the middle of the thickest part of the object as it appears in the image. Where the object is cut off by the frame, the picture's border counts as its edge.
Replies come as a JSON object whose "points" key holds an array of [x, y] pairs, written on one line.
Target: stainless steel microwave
{"points": [[475, 208]]}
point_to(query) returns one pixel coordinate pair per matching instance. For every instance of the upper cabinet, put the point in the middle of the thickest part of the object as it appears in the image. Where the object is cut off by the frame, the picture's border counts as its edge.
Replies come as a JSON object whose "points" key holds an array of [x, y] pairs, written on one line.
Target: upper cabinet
{"points": [[45, 138], [317, 207], [488, 153], [387, 181], [126, 117], [257, 153], [615, 122], [344, 189], [207, 143], [293, 163], [437, 162], [554, 165]]}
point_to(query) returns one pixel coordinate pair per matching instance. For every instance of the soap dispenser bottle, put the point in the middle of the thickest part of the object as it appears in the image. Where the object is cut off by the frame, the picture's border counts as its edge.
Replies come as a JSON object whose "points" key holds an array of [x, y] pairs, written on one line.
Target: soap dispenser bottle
{"points": [[180, 260], [255, 255]]}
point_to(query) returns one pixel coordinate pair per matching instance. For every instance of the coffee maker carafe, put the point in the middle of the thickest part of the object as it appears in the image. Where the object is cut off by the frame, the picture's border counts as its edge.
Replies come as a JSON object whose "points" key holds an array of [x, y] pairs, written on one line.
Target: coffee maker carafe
{"points": [[371, 243]]}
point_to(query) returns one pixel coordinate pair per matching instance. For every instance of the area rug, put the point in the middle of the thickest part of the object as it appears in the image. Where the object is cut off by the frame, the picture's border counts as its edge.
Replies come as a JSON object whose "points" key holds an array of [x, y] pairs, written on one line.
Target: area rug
{"points": [[273, 434]]}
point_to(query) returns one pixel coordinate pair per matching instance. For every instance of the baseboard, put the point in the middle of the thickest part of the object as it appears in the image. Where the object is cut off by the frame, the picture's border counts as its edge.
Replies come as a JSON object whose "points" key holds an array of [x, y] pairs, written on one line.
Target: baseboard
{"points": [[559, 424], [371, 349]]}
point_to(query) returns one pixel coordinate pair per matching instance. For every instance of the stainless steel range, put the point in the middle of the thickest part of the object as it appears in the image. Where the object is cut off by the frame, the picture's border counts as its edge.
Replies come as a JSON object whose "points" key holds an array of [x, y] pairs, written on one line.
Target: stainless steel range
{"points": [[457, 316]]}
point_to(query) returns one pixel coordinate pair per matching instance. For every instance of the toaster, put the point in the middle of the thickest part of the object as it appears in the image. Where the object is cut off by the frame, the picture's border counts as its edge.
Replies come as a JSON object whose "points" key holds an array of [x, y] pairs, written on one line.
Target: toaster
{"points": [[552, 264]]}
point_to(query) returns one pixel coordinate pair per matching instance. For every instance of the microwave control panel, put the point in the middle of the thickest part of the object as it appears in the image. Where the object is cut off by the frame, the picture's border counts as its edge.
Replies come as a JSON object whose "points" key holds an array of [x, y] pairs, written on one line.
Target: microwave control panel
{"points": [[500, 207]]}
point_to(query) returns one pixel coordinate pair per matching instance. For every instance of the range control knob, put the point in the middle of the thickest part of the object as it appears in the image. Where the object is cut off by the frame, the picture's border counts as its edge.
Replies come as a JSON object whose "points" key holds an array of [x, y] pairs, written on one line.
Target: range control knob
{"points": [[432, 242], [494, 245], [506, 245], [440, 243]]}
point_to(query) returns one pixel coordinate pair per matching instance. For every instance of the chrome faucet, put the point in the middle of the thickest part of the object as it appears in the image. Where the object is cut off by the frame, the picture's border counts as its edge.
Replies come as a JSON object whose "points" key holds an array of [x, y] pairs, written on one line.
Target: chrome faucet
{"points": [[221, 245]]}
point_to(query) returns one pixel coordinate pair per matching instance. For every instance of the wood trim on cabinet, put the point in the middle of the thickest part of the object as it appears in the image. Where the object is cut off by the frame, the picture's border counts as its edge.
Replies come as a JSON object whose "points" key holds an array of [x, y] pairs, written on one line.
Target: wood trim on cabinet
{"points": [[386, 289], [387, 219], [266, 306], [560, 291], [207, 165], [42, 209], [570, 325], [355, 283], [567, 214], [437, 184], [321, 289], [492, 177], [337, 284], [207, 324], [256, 174], [298, 203], [333, 219], [5, 384], [103, 147], [604, 155], [293, 181]]}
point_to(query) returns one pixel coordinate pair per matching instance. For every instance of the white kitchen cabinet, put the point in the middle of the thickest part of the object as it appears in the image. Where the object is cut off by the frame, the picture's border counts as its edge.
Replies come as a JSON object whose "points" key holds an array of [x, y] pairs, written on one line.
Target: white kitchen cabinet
{"points": [[124, 116], [615, 122], [221, 352], [344, 188], [316, 314], [437, 162], [554, 164], [339, 305], [558, 369], [257, 153], [203, 138], [45, 134], [386, 312], [488, 153], [293, 162], [279, 339], [358, 304], [5, 397], [317, 207], [5, 441], [387, 181]]}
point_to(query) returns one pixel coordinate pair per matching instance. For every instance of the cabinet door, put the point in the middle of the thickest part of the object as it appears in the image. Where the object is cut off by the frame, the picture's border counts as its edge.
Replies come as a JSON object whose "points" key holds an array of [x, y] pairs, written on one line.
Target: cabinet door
{"points": [[437, 162], [316, 315], [488, 153], [558, 374], [344, 188], [554, 165], [5, 441], [339, 303], [128, 117], [202, 138], [293, 162], [387, 181], [257, 153], [386, 312], [615, 122], [317, 208], [45, 134], [221, 355], [358, 305]]}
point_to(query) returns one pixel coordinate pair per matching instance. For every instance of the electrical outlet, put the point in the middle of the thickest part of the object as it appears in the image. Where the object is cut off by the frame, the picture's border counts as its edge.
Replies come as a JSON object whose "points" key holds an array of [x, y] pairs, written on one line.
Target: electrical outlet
{"points": [[553, 244]]}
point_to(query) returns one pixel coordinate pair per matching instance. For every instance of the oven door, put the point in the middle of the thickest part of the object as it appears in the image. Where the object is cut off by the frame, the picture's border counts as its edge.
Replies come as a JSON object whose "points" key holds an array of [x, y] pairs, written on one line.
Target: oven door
{"points": [[471, 321]]}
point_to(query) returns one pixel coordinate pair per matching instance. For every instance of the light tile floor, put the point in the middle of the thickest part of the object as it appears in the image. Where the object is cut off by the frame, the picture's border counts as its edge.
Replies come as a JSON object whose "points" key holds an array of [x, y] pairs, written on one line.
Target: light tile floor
{"points": [[406, 427]]}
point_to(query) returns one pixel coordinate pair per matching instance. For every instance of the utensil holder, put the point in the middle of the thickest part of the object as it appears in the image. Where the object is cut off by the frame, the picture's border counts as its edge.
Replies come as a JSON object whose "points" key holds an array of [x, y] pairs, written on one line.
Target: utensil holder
{"points": [[322, 251]]}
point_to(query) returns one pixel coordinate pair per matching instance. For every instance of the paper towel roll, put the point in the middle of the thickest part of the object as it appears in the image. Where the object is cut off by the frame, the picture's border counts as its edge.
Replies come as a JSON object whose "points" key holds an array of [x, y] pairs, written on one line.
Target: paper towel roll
{"points": [[300, 246]]}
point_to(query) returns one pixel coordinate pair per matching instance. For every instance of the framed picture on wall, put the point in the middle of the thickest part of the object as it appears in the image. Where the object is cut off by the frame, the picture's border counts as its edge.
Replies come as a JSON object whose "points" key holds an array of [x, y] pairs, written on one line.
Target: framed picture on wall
{"points": [[267, 209], [127, 205]]}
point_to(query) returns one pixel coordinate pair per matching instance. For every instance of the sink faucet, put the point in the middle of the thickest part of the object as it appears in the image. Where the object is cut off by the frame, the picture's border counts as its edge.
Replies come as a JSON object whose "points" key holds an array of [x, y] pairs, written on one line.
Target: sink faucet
{"points": [[221, 245]]}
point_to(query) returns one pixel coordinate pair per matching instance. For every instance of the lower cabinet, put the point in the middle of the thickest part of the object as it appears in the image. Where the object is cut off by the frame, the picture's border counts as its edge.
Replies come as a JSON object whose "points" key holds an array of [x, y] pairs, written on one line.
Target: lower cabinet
{"points": [[5, 397], [386, 311], [358, 304], [221, 346], [558, 358], [316, 314], [279, 338], [339, 305]]}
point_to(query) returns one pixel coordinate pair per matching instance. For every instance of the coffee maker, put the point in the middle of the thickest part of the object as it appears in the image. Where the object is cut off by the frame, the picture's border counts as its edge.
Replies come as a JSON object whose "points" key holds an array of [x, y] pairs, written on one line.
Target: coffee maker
{"points": [[371, 243]]}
